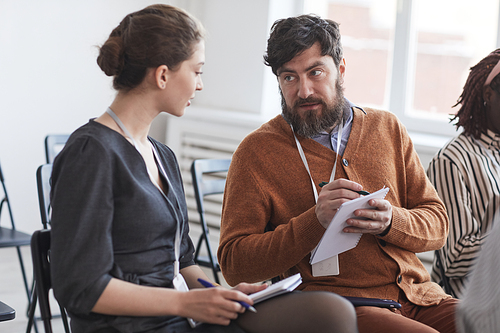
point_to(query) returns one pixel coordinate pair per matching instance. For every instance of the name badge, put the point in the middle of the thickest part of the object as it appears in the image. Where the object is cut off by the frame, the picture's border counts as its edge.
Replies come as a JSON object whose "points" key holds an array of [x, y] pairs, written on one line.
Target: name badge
{"points": [[326, 267]]}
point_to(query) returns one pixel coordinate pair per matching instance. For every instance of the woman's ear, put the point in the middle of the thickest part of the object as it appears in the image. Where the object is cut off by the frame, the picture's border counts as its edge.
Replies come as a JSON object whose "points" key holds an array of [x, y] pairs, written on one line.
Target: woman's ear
{"points": [[161, 76]]}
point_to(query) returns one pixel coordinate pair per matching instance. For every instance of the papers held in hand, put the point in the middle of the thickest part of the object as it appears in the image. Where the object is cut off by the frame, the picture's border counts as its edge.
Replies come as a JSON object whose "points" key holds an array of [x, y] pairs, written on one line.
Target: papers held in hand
{"points": [[335, 240], [284, 286]]}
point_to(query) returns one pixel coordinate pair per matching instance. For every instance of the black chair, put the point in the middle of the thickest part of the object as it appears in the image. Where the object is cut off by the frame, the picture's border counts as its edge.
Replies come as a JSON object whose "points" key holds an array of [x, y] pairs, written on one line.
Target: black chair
{"points": [[53, 145], [204, 186], [43, 174], [6, 312], [10, 237], [40, 253]]}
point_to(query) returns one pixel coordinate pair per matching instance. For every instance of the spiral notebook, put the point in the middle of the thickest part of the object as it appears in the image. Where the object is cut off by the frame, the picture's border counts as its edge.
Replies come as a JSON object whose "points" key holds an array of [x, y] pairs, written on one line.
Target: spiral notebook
{"points": [[283, 286], [334, 240]]}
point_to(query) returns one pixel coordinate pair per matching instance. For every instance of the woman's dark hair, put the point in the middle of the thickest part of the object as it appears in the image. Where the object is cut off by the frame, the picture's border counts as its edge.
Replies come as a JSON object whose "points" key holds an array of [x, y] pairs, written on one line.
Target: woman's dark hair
{"points": [[472, 113], [157, 35], [291, 36]]}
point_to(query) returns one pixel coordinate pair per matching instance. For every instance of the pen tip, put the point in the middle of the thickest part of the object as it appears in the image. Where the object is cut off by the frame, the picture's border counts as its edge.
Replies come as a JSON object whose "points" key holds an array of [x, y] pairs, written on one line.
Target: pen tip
{"points": [[251, 308]]}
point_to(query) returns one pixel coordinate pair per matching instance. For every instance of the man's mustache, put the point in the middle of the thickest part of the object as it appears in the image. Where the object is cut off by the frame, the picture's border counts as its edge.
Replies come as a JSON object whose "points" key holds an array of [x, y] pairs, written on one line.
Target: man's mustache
{"points": [[308, 100]]}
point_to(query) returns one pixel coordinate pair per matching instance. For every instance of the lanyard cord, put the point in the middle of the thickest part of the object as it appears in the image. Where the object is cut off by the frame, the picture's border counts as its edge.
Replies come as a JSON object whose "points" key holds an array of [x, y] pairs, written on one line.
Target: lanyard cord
{"points": [[178, 231], [304, 159]]}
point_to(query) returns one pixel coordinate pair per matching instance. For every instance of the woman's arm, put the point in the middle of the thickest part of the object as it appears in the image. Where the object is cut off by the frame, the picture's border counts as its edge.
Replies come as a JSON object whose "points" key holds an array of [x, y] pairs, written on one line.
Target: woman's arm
{"points": [[210, 305]]}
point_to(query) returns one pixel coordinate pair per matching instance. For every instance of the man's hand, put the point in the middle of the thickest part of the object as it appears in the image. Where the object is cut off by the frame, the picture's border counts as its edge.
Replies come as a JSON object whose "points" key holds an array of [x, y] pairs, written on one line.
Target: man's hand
{"points": [[333, 195], [376, 220]]}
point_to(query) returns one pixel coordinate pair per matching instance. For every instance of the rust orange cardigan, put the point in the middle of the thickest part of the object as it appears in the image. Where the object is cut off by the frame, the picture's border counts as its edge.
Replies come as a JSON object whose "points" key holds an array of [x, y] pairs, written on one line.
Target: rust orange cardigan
{"points": [[267, 182]]}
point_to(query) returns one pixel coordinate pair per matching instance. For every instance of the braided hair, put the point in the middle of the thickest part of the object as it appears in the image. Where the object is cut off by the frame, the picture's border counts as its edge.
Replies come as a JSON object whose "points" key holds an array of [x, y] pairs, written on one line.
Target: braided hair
{"points": [[472, 113]]}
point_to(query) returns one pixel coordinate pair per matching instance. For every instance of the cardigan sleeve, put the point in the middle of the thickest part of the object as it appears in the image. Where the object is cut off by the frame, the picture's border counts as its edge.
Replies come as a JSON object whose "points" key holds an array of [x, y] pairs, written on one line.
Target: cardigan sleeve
{"points": [[82, 201], [419, 220]]}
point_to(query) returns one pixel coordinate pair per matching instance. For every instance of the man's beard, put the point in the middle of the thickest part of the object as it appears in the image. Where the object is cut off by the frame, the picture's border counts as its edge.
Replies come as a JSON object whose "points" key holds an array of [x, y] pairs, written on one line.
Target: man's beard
{"points": [[311, 124]]}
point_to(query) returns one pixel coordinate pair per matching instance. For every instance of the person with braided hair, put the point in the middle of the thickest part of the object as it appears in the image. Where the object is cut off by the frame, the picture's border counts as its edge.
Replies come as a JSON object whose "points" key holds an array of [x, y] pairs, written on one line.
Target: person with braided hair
{"points": [[121, 256], [466, 174]]}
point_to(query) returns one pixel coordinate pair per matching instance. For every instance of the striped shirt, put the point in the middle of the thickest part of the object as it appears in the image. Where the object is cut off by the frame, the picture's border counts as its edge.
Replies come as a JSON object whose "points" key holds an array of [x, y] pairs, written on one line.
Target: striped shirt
{"points": [[466, 175]]}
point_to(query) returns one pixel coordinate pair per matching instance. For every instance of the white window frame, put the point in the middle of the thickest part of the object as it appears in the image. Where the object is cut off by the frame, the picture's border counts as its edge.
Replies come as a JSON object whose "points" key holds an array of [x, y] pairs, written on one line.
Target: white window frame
{"points": [[401, 86], [403, 74]]}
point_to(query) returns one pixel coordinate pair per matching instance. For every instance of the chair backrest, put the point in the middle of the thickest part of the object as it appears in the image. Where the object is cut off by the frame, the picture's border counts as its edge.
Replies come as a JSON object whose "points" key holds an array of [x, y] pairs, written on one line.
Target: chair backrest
{"points": [[5, 200], [40, 252], [53, 145], [43, 174], [204, 186]]}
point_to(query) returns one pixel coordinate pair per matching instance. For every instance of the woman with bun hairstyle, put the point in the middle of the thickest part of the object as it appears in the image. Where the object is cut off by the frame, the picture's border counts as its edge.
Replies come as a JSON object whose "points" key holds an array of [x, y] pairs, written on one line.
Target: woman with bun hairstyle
{"points": [[121, 256]]}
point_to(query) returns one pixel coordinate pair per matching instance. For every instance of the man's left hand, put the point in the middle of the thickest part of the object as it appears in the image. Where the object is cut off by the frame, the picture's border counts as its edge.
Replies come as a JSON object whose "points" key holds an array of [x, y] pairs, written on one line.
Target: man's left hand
{"points": [[376, 220]]}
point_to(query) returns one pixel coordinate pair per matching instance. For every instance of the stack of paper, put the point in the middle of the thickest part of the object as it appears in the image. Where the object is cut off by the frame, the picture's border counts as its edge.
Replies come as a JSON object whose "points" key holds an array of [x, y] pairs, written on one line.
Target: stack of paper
{"points": [[284, 286]]}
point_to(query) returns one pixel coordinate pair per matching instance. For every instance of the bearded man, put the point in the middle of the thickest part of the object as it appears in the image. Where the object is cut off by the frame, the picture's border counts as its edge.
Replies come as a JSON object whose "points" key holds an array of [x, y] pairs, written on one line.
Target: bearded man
{"points": [[273, 184]]}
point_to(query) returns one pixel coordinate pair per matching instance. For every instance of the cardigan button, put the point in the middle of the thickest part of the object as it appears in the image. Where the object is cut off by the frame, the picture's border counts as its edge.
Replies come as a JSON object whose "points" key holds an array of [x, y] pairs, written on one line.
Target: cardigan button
{"points": [[344, 161], [400, 278]]}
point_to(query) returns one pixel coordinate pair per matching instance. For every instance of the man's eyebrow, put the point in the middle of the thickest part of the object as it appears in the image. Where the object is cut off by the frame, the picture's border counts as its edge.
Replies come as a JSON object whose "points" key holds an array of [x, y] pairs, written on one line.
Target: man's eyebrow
{"points": [[288, 70]]}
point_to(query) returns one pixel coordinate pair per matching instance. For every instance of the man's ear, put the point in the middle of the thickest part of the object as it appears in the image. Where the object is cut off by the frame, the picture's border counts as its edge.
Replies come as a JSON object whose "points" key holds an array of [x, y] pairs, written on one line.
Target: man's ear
{"points": [[342, 70], [161, 76]]}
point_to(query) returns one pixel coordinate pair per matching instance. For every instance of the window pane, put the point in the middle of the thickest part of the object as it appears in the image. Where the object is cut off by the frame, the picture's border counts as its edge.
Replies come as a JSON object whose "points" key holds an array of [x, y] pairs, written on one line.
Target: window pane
{"points": [[451, 36], [367, 29]]}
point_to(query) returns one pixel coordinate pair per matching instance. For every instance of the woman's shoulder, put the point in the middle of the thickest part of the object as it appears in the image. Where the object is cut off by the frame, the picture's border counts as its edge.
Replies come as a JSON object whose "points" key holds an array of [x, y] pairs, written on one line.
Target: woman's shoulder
{"points": [[94, 141]]}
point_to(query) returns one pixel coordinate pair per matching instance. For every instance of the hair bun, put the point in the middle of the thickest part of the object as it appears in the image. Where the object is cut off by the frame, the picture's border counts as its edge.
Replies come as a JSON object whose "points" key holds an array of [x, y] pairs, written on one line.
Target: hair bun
{"points": [[110, 58]]}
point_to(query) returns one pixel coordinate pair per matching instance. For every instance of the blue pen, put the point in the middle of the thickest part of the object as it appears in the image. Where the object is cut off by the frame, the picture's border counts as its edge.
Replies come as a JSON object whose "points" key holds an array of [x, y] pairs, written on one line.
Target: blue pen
{"points": [[207, 284]]}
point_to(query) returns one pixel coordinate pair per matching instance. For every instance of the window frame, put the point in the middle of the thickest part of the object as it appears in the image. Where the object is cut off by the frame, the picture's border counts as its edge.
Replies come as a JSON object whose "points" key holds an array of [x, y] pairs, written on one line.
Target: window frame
{"points": [[402, 74]]}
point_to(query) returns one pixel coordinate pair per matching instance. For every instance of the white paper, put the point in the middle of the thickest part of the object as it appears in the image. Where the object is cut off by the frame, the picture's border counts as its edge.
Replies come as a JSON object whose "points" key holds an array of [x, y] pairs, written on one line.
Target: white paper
{"points": [[281, 287], [334, 240]]}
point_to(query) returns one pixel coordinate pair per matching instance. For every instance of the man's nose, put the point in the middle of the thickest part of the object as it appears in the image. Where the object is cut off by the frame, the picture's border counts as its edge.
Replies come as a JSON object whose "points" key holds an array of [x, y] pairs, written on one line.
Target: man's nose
{"points": [[305, 89]]}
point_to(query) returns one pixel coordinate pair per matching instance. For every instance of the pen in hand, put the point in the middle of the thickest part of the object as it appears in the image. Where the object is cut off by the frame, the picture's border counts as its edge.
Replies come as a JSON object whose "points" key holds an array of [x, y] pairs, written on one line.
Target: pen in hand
{"points": [[207, 284], [359, 192]]}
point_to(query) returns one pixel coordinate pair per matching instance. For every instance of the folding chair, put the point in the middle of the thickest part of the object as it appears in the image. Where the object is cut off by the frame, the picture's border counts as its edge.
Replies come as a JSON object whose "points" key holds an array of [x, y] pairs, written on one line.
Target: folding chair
{"points": [[204, 186], [10, 237], [43, 174], [53, 145], [40, 253]]}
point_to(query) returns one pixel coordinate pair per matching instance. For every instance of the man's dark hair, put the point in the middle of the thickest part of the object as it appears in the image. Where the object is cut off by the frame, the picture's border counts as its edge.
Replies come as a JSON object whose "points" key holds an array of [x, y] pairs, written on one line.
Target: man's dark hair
{"points": [[472, 113], [293, 35]]}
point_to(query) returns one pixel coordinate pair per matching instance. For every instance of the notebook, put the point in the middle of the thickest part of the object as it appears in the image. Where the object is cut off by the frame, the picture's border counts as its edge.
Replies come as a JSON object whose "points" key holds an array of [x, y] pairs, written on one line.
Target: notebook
{"points": [[334, 240], [284, 286]]}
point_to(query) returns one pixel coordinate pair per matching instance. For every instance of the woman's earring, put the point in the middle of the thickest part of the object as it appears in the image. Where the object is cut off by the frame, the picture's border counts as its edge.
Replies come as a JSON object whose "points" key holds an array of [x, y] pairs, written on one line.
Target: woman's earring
{"points": [[484, 103]]}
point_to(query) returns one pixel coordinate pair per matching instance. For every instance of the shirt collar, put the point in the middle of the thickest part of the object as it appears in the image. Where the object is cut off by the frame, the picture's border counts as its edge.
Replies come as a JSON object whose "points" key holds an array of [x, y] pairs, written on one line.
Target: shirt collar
{"points": [[490, 139]]}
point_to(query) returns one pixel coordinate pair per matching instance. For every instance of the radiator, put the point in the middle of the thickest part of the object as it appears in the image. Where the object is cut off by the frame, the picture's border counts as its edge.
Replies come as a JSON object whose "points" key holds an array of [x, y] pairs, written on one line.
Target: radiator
{"points": [[201, 134]]}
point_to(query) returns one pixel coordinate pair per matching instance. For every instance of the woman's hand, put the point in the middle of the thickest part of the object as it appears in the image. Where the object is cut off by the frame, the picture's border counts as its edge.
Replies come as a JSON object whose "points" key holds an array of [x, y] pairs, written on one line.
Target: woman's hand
{"points": [[248, 289], [213, 305]]}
